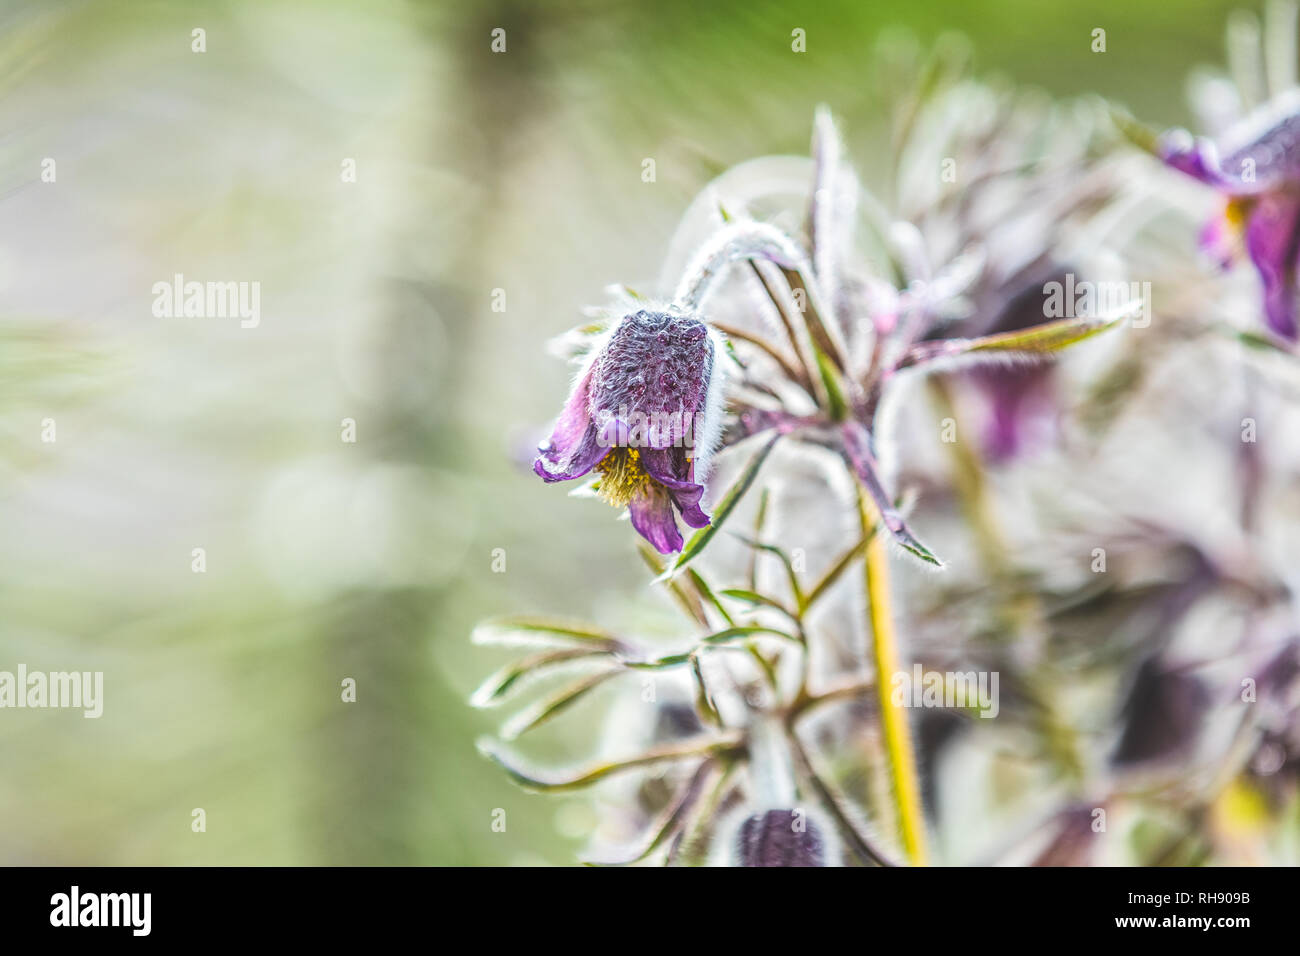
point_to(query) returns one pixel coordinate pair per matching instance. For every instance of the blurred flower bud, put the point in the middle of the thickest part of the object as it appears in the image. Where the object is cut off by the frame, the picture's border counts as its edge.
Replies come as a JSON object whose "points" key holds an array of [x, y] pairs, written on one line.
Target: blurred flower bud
{"points": [[780, 838], [1162, 716]]}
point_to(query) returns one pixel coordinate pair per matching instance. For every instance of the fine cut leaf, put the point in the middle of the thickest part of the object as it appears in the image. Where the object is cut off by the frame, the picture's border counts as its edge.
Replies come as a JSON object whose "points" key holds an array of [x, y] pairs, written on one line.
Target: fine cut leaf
{"points": [[732, 633], [825, 337], [837, 404], [720, 640], [753, 597], [723, 510], [665, 826], [704, 703], [545, 632], [689, 601], [791, 576], [543, 710], [760, 520], [702, 588], [1264, 343], [1137, 133], [1038, 341], [858, 455], [553, 781], [508, 678], [838, 568]]}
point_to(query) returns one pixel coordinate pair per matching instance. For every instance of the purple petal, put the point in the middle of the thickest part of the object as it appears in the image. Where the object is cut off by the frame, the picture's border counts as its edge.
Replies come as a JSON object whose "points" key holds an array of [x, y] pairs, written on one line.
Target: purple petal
{"points": [[1218, 240], [1015, 396], [652, 516], [585, 457], [686, 496], [1249, 171], [574, 447], [672, 469], [1271, 239], [1270, 160], [1193, 157]]}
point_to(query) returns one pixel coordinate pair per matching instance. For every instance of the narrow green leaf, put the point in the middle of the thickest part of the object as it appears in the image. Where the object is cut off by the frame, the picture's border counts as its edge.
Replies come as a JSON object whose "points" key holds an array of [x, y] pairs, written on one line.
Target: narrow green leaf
{"points": [[839, 567], [1264, 343], [753, 597], [731, 633], [666, 825], [827, 339], [1137, 133], [718, 641], [838, 407], [1053, 336], [723, 510], [791, 576], [749, 596], [543, 710], [760, 520], [508, 678], [703, 699], [707, 594], [553, 781], [692, 848], [659, 663], [532, 631], [903, 536], [689, 602], [857, 454], [1038, 341]]}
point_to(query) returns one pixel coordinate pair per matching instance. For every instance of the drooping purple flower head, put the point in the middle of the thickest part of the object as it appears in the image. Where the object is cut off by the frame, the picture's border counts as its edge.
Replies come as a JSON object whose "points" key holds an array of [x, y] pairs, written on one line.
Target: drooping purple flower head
{"points": [[1256, 168], [643, 415]]}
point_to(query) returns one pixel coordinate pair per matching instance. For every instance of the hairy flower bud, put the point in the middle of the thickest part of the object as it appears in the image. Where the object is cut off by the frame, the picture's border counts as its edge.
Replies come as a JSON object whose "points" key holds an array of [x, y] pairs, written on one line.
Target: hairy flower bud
{"points": [[643, 415], [780, 838]]}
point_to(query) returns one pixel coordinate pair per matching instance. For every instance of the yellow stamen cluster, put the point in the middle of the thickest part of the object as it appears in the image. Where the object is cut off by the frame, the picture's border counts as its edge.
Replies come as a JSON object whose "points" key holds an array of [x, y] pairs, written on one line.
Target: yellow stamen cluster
{"points": [[1236, 211], [622, 476]]}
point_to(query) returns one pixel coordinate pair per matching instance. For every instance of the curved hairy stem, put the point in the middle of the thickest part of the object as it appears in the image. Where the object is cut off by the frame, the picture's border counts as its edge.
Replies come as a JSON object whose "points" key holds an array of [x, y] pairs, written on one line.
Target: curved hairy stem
{"points": [[860, 843], [893, 717]]}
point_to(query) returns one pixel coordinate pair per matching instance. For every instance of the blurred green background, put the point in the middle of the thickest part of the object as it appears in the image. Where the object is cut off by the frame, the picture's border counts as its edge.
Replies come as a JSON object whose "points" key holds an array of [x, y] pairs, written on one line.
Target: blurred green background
{"points": [[328, 560]]}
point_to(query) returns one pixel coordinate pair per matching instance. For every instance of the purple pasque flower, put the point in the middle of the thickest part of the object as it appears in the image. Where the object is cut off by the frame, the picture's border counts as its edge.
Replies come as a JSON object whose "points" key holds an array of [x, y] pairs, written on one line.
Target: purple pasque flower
{"points": [[644, 414], [1255, 167]]}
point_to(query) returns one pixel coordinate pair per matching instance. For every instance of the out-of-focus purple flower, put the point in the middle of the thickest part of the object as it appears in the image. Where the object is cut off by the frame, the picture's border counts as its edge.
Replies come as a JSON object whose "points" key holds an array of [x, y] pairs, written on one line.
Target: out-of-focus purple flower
{"points": [[1028, 189], [643, 414], [1256, 168], [1019, 394], [1014, 395], [1275, 764], [1162, 716]]}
